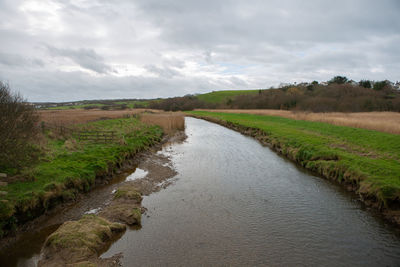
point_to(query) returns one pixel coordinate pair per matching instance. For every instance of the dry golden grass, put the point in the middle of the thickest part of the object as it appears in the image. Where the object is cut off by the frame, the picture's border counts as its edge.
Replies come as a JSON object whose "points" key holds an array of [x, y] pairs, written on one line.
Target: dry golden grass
{"points": [[74, 116], [388, 122], [170, 122]]}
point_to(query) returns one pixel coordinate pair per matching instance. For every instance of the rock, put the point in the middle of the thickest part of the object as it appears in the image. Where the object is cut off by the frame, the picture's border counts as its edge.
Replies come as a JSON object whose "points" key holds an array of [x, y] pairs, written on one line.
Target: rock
{"points": [[3, 193], [3, 175], [3, 183]]}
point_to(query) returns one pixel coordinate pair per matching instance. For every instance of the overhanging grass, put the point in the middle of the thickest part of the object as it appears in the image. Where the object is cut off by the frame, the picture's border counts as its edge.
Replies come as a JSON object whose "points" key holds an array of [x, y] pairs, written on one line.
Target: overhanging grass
{"points": [[368, 159], [63, 172]]}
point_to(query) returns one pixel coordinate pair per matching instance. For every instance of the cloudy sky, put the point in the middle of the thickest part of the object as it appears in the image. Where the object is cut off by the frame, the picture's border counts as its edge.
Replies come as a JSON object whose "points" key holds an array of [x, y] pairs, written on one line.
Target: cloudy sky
{"points": [[61, 50]]}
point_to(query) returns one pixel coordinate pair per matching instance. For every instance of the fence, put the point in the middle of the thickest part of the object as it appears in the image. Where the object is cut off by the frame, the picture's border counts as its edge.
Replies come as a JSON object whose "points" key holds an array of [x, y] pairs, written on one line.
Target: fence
{"points": [[97, 136], [82, 135]]}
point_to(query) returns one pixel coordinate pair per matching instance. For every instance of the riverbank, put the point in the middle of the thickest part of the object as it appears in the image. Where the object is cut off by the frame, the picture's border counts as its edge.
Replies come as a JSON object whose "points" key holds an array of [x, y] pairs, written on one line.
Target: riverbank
{"points": [[69, 167], [81, 241], [364, 161]]}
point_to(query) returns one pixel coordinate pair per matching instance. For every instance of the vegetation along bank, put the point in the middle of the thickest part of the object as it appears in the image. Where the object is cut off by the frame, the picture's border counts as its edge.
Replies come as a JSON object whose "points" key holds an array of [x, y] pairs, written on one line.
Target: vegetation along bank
{"points": [[70, 160], [365, 161]]}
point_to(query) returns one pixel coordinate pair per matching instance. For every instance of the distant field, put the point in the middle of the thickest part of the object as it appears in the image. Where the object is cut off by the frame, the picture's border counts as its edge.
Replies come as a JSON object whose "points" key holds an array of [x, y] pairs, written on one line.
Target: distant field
{"points": [[388, 122], [109, 103], [368, 159], [219, 97]]}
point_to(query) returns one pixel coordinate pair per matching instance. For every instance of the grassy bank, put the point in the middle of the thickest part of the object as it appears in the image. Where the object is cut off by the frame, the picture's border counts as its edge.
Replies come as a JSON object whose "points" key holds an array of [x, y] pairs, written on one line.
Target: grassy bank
{"points": [[68, 167], [365, 160], [388, 122]]}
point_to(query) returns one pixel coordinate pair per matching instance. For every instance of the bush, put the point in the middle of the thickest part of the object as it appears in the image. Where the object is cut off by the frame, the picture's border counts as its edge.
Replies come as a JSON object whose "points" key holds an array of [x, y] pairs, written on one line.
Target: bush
{"points": [[18, 122], [378, 86], [365, 83], [338, 80]]}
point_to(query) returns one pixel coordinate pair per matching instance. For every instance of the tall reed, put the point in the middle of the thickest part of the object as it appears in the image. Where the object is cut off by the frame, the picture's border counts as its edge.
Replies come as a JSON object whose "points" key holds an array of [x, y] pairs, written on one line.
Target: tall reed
{"points": [[169, 122]]}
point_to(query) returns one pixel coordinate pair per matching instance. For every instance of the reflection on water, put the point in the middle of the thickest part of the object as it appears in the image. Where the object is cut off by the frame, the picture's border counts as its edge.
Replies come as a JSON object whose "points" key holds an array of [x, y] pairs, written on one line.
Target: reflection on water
{"points": [[137, 174], [237, 203]]}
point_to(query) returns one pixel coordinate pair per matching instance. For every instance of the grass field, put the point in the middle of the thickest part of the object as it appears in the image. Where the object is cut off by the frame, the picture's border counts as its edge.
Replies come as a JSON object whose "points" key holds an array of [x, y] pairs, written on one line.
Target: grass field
{"points": [[223, 96], [68, 167], [367, 159], [388, 122]]}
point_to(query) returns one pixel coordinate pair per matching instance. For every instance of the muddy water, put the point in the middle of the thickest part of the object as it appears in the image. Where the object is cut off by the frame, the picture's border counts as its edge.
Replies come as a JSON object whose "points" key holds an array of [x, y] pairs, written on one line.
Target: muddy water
{"points": [[235, 202]]}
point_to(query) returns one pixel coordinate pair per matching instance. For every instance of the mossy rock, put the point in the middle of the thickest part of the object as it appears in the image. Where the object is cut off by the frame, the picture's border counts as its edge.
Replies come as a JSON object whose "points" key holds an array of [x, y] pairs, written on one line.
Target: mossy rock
{"points": [[129, 193], [77, 241], [123, 212]]}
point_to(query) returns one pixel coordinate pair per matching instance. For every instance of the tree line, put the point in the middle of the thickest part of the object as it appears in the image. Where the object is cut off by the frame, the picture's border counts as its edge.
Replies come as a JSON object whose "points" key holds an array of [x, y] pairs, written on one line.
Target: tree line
{"points": [[337, 95]]}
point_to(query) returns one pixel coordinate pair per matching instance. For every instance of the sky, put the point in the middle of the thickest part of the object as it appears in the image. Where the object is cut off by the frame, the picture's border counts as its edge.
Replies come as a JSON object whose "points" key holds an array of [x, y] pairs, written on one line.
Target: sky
{"points": [[67, 50]]}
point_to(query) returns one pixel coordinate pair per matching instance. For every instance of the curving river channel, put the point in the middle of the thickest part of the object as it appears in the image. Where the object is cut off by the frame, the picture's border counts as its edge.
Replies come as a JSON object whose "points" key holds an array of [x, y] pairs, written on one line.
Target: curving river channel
{"points": [[235, 202]]}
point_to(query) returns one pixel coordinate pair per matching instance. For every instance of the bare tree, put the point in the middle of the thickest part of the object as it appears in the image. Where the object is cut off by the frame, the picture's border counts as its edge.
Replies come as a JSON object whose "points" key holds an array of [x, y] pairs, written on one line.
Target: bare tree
{"points": [[18, 126]]}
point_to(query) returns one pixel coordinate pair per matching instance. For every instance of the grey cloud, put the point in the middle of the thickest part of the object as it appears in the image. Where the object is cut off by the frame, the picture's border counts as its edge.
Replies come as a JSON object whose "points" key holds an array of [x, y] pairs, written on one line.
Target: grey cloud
{"points": [[165, 72], [86, 58], [14, 60], [192, 46]]}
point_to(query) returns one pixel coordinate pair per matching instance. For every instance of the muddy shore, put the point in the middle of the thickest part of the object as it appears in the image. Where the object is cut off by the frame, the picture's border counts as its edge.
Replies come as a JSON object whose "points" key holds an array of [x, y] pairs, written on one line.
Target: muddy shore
{"points": [[391, 214], [158, 170]]}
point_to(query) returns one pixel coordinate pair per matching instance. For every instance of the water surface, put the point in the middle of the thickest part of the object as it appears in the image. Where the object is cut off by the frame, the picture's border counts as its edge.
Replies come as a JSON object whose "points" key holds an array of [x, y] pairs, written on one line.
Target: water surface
{"points": [[236, 203]]}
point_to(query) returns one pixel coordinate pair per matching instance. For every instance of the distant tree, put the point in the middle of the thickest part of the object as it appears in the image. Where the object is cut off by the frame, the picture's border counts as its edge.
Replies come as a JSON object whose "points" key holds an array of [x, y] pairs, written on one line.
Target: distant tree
{"points": [[378, 86], [365, 83], [338, 80], [314, 83], [18, 127]]}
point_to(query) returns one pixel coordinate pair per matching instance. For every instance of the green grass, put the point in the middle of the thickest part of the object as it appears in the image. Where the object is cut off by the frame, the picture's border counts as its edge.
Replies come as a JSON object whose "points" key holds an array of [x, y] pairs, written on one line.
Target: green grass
{"points": [[366, 158], [218, 97], [63, 171], [134, 103]]}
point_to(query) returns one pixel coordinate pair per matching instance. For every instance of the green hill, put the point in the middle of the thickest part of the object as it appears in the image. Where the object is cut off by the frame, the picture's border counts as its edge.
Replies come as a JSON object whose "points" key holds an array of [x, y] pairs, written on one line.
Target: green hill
{"points": [[223, 96]]}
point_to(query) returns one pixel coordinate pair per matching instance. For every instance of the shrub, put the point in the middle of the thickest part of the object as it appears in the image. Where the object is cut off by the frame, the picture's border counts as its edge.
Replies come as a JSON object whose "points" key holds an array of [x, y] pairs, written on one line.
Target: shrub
{"points": [[378, 86], [365, 83], [338, 80], [18, 122]]}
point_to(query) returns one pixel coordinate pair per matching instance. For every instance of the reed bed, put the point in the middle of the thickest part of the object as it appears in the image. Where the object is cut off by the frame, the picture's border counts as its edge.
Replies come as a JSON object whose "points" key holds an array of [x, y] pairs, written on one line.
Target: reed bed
{"points": [[169, 122], [74, 116], [388, 122]]}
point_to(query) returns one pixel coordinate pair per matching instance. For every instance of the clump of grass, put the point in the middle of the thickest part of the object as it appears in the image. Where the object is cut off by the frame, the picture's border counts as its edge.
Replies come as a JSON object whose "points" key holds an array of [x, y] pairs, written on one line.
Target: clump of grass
{"points": [[77, 241], [169, 122], [129, 193]]}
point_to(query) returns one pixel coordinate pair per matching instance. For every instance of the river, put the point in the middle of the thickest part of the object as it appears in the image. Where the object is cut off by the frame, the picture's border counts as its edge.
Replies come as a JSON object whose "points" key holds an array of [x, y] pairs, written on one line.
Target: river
{"points": [[235, 202]]}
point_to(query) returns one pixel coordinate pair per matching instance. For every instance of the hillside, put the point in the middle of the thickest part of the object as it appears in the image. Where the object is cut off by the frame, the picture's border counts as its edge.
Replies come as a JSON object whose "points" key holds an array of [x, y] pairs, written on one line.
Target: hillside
{"points": [[219, 97]]}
